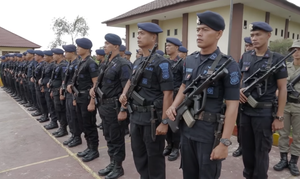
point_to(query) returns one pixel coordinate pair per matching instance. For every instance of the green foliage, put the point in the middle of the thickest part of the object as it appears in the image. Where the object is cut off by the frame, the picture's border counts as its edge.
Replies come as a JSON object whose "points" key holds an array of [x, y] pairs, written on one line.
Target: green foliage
{"points": [[281, 46], [62, 27]]}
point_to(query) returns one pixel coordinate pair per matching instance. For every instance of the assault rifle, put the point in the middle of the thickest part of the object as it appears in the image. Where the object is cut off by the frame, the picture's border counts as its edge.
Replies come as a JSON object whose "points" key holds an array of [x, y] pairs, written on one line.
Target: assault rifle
{"points": [[190, 106], [175, 64], [131, 93], [51, 80], [98, 91], [63, 86], [290, 87], [259, 78]]}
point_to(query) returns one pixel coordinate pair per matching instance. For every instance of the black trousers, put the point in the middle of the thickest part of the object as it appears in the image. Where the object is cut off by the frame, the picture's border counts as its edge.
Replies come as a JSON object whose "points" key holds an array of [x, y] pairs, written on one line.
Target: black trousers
{"points": [[50, 106], [38, 98], [60, 109], [72, 118], [41, 100], [257, 142], [147, 154], [32, 93], [114, 134], [238, 125], [195, 160], [88, 121]]}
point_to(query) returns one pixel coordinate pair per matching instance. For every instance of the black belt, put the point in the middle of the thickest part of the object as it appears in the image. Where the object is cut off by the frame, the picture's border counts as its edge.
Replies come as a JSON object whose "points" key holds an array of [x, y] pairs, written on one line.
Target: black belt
{"points": [[109, 100], [141, 109], [207, 116], [55, 89], [265, 105], [83, 91], [293, 100]]}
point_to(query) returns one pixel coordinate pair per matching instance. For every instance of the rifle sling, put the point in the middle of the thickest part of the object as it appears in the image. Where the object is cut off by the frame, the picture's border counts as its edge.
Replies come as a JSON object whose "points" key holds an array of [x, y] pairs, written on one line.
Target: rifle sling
{"points": [[215, 63]]}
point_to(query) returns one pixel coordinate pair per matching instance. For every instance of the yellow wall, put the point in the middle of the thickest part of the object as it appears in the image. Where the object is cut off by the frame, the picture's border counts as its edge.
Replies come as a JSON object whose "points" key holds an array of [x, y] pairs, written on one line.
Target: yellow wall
{"points": [[20, 49], [279, 24], [192, 36], [294, 28], [133, 41], [171, 25]]}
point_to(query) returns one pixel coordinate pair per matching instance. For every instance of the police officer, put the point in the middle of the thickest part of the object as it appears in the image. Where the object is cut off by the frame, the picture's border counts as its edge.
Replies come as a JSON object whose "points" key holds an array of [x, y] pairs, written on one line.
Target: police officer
{"points": [[75, 129], [160, 52], [115, 77], [291, 119], [199, 158], [139, 53], [100, 57], [156, 87], [40, 96], [127, 55], [258, 124], [238, 152], [55, 85], [248, 44], [173, 139], [182, 52], [48, 72], [84, 79], [122, 51]]}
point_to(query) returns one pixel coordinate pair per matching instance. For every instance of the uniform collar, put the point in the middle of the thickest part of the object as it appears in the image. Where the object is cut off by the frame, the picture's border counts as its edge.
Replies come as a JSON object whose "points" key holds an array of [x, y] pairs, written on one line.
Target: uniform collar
{"points": [[267, 54], [214, 55]]}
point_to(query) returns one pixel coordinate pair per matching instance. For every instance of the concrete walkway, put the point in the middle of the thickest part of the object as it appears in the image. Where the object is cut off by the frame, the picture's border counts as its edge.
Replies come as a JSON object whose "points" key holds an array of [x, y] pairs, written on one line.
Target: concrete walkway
{"points": [[28, 151]]}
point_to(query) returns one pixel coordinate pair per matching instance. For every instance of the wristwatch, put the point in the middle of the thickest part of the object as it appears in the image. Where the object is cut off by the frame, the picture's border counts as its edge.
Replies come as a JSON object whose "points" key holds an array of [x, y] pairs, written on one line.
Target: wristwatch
{"points": [[164, 121], [123, 109], [280, 118], [226, 142]]}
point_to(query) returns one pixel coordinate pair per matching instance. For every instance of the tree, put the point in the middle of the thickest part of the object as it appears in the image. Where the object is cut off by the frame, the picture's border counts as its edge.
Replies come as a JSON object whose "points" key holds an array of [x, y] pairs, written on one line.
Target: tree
{"points": [[281, 46], [62, 27]]}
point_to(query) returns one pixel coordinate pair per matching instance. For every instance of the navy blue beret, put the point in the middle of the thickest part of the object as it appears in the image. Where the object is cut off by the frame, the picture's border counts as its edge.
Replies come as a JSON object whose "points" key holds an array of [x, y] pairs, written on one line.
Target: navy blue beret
{"points": [[7, 55], [113, 39], [57, 51], [69, 48], [260, 26], [39, 52], [212, 20], [248, 40], [150, 27], [182, 49], [122, 48], [11, 55], [100, 52], [48, 53], [127, 53], [174, 41], [24, 53], [30, 51], [137, 50], [84, 43], [160, 52], [15, 54], [19, 55], [3, 57]]}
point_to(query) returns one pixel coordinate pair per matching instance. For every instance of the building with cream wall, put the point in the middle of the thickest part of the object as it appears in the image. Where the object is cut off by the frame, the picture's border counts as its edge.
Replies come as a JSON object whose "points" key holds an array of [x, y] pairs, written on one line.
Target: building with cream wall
{"points": [[180, 16]]}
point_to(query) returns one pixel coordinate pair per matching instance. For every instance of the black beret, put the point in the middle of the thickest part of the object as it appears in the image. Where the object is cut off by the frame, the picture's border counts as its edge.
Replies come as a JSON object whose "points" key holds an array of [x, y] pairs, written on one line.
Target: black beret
{"points": [[84, 43], [48, 53], [19, 55], [122, 48], [182, 49], [39, 52], [113, 39], [248, 40], [260, 26], [127, 53], [57, 51], [174, 41], [24, 53], [69, 48], [212, 20], [30, 51], [150, 27], [100, 52], [3, 57], [160, 52]]}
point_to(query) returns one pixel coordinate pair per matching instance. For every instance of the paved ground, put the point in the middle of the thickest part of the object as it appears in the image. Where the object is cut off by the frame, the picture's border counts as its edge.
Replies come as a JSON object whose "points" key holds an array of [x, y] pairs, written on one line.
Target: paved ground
{"points": [[28, 151]]}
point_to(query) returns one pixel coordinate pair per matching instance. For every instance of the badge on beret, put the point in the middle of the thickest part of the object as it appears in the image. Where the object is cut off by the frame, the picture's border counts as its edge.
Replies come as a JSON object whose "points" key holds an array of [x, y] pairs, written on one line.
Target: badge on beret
{"points": [[251, 26], [198, 20]]}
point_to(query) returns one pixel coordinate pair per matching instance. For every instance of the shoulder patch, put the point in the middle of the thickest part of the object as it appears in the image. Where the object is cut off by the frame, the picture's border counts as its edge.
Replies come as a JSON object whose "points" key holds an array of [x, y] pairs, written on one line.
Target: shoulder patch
{"points": [[165, 70], [234, 78], [210, 90], [93, 67]]}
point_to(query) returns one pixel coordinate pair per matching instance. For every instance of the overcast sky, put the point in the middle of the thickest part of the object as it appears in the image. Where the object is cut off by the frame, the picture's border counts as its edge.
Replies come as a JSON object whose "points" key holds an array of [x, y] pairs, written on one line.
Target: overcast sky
{"points": [[32, 19]]}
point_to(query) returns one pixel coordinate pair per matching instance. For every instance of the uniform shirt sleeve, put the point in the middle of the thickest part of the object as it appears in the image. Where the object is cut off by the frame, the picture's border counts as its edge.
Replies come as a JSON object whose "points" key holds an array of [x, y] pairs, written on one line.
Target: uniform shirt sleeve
{"points": [[183, 73], [241, 63], [165, 76], [125, 73], [93, 69], [231, 82], [282, 73]]}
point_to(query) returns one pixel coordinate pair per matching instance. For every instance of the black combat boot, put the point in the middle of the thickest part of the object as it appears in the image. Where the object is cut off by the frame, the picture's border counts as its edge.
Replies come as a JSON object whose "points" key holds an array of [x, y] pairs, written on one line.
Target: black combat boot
{"points": [[84, 153], [76, 141], [105, 171], [62, 132], [117, 171], [175, 152], [91, 155], [283, 163], [51, 125], [293, 165], [69, 140], [238, 152], [167, 150]]}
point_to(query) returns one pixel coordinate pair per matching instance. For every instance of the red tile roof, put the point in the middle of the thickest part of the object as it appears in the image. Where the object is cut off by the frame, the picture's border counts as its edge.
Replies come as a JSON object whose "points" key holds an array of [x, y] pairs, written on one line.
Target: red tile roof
{"points": [[9, 39], [154, 5]]}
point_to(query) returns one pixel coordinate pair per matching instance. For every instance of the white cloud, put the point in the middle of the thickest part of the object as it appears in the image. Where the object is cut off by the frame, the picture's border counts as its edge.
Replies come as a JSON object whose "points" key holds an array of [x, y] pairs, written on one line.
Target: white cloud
{"points": [[32, 19]]}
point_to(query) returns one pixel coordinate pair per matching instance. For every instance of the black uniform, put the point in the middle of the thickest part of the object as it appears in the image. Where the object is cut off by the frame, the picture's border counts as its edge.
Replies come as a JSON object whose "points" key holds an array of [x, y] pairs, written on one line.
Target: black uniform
{"points": [[48, 70], [197, 142], [40, 96], [87, 69], [114, 80], [30, 68], [59, 105], [72, 118], [148, 154], [256, 123]]}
